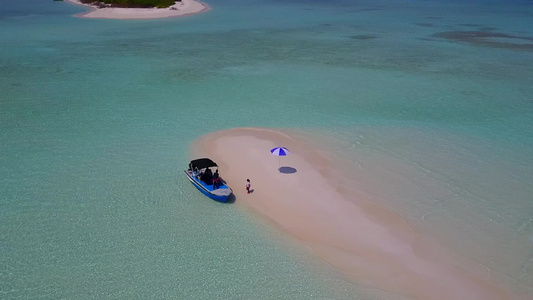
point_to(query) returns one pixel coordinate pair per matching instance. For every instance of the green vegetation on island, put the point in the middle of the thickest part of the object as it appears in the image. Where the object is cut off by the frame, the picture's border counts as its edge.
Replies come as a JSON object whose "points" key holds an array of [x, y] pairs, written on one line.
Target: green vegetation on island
{"points": [[131, 3]]}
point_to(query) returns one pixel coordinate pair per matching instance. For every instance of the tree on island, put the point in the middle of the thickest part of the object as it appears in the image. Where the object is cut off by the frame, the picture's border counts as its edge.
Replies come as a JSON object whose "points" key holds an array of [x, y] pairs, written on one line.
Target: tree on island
{"points": [[131, 3]]}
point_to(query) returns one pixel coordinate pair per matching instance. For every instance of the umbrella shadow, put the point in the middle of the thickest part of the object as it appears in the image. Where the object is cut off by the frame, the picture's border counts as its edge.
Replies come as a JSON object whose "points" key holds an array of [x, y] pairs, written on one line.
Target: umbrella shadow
{"points": [[287, 170]]}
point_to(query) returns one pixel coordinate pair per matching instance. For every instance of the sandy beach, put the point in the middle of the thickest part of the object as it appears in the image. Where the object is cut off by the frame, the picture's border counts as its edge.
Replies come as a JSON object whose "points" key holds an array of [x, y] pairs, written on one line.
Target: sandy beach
{"points": [[183, 8], [369, 244]]}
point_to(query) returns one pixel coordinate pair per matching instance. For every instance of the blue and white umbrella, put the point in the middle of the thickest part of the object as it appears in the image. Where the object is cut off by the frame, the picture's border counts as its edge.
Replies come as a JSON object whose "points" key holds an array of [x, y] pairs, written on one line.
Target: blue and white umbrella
{"points": [[280, 151]]}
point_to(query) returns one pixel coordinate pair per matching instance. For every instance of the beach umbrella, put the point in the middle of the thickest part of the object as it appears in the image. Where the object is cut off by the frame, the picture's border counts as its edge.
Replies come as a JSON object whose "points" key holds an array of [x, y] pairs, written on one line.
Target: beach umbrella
{"points": [[280, 151]]}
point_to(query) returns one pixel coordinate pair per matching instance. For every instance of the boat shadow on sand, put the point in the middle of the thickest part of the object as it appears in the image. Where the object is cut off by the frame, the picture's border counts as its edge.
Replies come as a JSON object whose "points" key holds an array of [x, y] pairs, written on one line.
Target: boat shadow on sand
{"points": [[287, 170], [231, 200]]}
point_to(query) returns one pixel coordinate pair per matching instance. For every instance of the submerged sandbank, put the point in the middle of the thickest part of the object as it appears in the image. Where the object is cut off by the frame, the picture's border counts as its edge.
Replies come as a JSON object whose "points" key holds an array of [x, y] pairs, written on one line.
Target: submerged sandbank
{"points": [[370, 244], [183, 8]]}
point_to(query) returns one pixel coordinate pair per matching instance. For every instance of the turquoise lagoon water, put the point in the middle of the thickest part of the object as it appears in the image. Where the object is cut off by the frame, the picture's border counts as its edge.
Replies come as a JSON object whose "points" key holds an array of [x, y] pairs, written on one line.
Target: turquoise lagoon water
{"points": [[97, 116]]}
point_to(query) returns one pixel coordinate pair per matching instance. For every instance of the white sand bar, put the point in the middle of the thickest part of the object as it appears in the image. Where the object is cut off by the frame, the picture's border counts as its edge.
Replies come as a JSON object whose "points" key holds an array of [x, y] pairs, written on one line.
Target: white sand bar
{"points": [[369, 244], [183, 8]]}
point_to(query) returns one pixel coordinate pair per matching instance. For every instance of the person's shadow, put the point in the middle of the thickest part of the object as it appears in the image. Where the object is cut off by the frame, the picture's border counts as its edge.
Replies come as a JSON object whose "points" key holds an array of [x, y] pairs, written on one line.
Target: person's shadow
{"points": [[287, 170]]}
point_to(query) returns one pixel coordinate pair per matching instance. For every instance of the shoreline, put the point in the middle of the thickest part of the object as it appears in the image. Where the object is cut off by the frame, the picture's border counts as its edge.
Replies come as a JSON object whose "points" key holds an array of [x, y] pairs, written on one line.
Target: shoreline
{"points": [[369, 244], [179, 9]]}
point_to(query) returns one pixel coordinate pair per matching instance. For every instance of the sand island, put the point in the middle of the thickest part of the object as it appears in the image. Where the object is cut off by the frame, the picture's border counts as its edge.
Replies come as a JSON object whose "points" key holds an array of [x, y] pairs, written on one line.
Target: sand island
{"points": [[101, 10], [310, 199]]}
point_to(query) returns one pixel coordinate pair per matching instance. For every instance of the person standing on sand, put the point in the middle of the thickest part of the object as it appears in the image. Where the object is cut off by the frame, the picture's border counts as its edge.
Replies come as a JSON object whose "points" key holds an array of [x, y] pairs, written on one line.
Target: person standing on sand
{"points": [[248, 186]]}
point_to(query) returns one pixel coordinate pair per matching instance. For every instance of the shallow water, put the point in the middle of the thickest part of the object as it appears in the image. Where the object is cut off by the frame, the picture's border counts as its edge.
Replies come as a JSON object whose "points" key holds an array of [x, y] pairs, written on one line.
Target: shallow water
{"points": [[97, 116]]}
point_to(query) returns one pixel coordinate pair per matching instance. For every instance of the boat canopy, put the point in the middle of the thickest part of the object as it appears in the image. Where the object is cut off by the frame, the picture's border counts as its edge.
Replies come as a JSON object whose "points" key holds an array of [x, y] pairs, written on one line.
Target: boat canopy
{"points": [[202, 163]]}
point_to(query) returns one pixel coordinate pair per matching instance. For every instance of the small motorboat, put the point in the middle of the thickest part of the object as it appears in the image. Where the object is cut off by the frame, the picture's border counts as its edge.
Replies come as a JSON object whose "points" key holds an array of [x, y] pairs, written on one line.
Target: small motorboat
{"points": [[203, 173]]}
